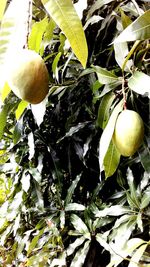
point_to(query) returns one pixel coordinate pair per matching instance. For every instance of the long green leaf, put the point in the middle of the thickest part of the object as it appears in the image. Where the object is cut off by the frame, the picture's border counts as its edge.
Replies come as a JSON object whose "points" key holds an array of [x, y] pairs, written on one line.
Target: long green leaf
{"points": [[104, 109], [138, 30], [3, 119], [111, 160], [65, 16], [107, 133]]}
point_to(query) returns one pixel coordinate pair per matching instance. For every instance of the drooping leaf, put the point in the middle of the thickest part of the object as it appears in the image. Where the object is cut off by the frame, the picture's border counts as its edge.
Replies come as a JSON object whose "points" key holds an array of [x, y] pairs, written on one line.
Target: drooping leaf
{"points": [[97, 5], [80, 256], [79, 225], [79, 241], [3, 119], [104, 109], [36, 34], [2, 8], [5, 91], [105, 76], [17, 133], [145, 157], [137, 256], [65, 16], [111, 160], [126, 21], [107, 133], [121, 51], [137, 30], [145, 199], [140, 83], [55, 66], [20, 109], [133, 192], [71, 190]]}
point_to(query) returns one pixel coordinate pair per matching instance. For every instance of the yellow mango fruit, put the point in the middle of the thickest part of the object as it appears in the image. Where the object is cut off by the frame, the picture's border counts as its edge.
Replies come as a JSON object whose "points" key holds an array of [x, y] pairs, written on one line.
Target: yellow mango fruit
{"points": [[28, 76], [129, 132]]}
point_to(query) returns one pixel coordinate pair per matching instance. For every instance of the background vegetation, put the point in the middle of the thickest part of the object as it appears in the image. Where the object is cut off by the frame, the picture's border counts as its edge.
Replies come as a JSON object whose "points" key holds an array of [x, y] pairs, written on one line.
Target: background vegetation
{"points": [[67, 197]]}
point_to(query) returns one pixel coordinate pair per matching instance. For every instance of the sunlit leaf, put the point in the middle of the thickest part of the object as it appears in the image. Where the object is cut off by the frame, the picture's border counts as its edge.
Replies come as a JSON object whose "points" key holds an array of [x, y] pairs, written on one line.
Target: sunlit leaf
{"points": [[65, 16], [107, 133], [115, 210], [35, 241], [79, 241], [111, 160], [25, 181], [36, 34], [140, 83], [74, 206], [138, 30], [145, 199], [13, 32], [137, 256], [5, 91], [2, 8], [79, 225], [80, 256], [20, 109], [55, 66]]}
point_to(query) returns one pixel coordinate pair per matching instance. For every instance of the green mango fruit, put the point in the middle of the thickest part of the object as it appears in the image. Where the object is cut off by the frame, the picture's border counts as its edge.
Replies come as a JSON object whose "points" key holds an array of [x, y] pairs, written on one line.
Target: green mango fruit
{"points": [[28, 76], [129, 132]]}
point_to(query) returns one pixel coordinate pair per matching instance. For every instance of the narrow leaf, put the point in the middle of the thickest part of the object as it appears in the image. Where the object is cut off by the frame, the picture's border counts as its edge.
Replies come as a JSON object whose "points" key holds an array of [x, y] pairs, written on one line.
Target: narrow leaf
{"points": [[137, 256], [5, 91], [138, 30], [71, 190], [80, 256], [104, 110], [65, 16], [3, 119], [105, 76], [140, 83], [2, 8], [111, 160], [78, 242], [115, 210], [97, 5], [74, 206], [79, 225], [108, 132], [20, 109], [145, 199]]}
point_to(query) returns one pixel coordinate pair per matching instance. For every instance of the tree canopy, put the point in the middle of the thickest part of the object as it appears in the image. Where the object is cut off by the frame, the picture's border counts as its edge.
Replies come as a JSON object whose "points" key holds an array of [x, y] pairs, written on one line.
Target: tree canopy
{"points": [[67, 195]]}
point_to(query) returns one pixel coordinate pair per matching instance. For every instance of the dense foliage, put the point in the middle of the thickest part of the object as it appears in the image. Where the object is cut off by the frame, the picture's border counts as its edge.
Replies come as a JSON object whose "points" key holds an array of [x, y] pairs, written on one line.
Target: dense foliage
{"points": [[68, 198]]}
